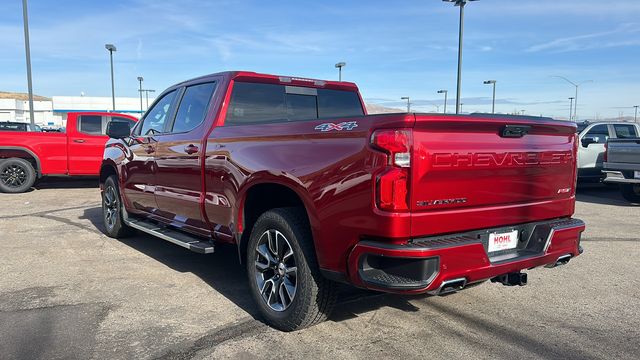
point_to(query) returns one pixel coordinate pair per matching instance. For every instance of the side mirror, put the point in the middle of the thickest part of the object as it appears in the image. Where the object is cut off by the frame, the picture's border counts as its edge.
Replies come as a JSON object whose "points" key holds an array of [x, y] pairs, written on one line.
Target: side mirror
{"points": [[117, 129], [588, 140]]}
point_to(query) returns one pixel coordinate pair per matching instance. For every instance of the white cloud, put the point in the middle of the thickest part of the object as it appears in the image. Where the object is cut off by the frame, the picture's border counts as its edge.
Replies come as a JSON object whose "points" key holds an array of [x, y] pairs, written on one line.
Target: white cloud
{"points": [[598, 40]]}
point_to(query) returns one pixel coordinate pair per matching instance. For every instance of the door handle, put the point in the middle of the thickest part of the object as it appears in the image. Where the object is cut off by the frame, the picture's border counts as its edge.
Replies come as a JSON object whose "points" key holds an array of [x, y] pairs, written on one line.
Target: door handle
{"points": [[149, 149], [191, 149], [78, 140]]}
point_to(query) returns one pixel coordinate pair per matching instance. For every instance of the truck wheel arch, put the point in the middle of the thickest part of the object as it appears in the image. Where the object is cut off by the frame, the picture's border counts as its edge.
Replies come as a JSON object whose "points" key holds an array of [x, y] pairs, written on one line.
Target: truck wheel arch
{"points": [[22, 153], [107, 169], [259, 197]]}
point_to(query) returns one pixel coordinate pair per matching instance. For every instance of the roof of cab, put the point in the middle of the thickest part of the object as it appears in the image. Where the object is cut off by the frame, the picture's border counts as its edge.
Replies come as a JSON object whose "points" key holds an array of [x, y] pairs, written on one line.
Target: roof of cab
{"points": [[250, 76]]}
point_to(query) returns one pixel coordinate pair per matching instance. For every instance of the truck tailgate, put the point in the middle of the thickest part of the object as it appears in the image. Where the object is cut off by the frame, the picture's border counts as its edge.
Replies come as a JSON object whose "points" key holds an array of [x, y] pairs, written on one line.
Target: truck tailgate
{"points": [[471, 172], [623, 151]]}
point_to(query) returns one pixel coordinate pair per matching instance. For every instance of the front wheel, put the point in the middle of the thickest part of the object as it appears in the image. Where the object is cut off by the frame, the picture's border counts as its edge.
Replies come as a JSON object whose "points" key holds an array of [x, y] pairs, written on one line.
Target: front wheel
{"points": [[631, 192], [16, 175], [112, 210], [283, 273]]}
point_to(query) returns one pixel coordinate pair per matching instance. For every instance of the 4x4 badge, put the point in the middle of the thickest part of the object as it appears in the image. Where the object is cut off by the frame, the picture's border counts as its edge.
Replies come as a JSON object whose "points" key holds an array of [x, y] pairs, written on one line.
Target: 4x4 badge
{"points": [[350, 125]]}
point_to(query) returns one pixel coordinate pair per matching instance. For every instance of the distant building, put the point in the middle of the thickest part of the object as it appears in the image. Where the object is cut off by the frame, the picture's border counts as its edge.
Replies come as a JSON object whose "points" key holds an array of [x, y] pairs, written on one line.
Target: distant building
{"points": [[15, 107], [53, 111]]}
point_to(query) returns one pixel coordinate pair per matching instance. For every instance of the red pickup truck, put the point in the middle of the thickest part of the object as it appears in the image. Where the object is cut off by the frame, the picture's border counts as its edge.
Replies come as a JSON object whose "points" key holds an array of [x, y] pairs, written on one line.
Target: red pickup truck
{"points": [[314, 191], [27, 156]]}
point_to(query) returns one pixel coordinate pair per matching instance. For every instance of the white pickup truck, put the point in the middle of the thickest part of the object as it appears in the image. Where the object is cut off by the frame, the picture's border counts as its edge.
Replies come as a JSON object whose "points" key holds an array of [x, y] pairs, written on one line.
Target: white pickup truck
{"points": [[591, 148]]}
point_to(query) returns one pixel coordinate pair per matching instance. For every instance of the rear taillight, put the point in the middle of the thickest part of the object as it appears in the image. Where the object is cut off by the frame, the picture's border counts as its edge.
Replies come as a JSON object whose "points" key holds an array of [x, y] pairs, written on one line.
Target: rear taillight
{"points": [[392, 184]]}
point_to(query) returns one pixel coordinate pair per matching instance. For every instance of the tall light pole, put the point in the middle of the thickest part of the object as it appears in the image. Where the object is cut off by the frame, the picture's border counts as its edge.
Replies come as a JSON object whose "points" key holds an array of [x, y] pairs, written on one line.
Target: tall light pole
{"points": [[140, 79], [27, 50], [339, 66], [493, 103], [445, 99], [461, 4], [408, 103], [575, 103], [147, 91], [571, 107], [111, 48], [635, 116]]}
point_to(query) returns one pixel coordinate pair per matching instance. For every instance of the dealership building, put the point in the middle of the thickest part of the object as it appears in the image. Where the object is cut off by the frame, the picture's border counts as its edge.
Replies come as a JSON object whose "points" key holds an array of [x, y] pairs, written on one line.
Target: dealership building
{"points": [[53, 111]]}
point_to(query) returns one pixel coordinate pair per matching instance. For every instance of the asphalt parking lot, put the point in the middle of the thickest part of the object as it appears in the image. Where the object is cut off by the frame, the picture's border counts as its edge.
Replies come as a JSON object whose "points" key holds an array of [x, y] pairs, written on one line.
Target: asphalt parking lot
{"points": [[68, 291]]}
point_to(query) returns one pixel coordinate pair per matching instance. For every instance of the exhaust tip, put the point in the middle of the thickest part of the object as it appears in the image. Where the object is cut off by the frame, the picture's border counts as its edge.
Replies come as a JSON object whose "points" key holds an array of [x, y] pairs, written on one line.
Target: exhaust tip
{"points": [[562, 260], [451, 286]]}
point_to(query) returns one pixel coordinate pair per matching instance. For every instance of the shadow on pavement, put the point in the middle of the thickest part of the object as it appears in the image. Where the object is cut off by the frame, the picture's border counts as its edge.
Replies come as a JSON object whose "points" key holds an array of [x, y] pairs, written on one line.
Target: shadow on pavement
{"points": [[61, 182], [224, 273], [601, 194]]}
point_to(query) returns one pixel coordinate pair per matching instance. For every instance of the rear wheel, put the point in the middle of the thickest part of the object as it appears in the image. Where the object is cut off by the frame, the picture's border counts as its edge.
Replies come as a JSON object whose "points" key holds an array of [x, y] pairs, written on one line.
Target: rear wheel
{"points": [[112, 209], [16, 175], [631, 192], [284, 277]]}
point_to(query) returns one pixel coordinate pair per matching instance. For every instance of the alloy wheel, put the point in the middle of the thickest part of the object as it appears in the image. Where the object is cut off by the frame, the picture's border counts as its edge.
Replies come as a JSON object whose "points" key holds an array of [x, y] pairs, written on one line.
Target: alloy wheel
{"points": [[14, 176], [276, 270], [110, 201]]}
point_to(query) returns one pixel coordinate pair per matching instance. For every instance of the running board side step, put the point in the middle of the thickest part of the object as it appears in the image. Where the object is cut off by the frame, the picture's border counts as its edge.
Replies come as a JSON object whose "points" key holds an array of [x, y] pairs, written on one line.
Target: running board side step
{"points": [[174, 236]]}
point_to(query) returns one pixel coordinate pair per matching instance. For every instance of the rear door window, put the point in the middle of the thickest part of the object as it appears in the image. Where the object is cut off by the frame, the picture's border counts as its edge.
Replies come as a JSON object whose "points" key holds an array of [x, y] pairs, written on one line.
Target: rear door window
{"points": [[193, 107], [90, 124], [624, 131], [253, 103]]}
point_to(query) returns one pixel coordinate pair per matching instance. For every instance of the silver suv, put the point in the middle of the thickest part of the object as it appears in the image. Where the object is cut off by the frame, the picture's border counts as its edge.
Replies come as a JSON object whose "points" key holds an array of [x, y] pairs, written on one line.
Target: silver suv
{"points": [[592, 137]]}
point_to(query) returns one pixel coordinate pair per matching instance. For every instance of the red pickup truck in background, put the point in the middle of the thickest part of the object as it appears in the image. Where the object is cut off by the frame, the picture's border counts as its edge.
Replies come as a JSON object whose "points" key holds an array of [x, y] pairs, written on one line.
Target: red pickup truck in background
{"points": [[314, 191], [27, 156]]}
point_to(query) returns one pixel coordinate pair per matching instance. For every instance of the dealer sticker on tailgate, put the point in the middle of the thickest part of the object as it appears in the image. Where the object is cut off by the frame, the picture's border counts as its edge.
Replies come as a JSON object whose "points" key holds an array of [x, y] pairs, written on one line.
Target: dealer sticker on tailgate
{"points": [[503, 241]]}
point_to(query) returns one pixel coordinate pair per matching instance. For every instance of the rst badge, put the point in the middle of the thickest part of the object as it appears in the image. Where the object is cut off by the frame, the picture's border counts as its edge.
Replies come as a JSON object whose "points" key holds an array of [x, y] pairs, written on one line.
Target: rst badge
{"points": [[350, 125]]}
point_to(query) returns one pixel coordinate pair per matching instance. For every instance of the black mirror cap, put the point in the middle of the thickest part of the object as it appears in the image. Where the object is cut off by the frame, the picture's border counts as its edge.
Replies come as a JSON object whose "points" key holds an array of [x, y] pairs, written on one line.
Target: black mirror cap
{"points": [[588, 141], [118, 129]]}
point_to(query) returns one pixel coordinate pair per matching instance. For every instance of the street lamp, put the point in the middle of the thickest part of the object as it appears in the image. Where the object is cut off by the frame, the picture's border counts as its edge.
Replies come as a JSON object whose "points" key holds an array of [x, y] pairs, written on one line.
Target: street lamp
{"points": [[408, 103], [140, 79], [493, 103], [445, 99], [635, 116], [461, 4], [111, 48], [147, 91], [339, 66], [570, 107], [575, 103], [27, 50]]}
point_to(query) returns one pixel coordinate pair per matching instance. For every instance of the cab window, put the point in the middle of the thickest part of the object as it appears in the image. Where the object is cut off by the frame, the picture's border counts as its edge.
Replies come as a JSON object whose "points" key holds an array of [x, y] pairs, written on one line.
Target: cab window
{"points": [[599, 132], [193, 107], [624, 131], [158, 115], [90, 124]]}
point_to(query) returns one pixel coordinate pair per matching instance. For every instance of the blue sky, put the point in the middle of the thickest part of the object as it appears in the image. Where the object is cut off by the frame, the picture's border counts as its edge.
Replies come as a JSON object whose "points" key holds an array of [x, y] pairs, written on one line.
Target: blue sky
{"points": [[392, 49]]}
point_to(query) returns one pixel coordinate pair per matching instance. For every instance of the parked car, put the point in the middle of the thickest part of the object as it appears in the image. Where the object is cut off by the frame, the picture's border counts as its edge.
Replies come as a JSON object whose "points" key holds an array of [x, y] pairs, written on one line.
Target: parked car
{"points": [[622, 166], [593, 136], [18, 126], [314, 191], [27, 156]]}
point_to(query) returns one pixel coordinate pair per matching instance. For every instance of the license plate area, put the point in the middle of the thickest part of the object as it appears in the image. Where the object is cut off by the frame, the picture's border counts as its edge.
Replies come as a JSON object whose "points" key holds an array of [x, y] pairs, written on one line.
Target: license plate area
{"points": [[501, 241], [522, 241]]}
